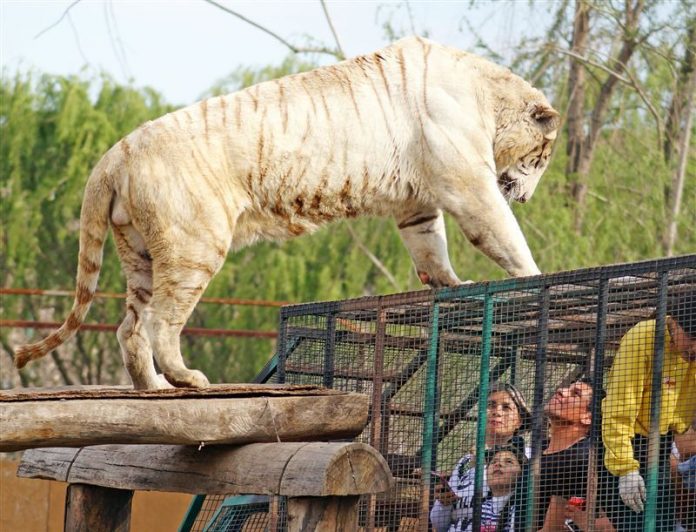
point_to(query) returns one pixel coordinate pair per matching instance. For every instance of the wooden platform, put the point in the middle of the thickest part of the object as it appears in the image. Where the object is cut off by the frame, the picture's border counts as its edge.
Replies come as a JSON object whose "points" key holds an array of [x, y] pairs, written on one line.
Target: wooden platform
{"points": [[322, 480], [221, 414]]}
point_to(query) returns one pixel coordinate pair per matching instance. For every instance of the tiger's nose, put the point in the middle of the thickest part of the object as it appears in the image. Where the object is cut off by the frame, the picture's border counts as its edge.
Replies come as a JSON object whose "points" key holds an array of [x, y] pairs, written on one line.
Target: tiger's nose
{"points": [[523, 198]]}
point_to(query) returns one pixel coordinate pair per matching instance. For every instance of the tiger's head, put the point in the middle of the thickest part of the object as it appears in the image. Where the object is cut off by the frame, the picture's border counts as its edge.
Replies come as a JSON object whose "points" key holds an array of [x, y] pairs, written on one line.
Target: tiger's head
{"points": [[522, 148]]}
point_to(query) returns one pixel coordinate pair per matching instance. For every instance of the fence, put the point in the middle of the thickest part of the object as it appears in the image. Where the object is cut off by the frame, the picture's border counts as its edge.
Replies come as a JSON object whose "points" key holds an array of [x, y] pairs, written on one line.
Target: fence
{"points": [[236, 336], [433, 364]]}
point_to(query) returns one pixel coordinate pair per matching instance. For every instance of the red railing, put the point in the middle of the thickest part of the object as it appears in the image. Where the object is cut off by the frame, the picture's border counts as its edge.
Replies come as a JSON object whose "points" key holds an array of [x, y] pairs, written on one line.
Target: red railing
{"points": [[192, 331]]}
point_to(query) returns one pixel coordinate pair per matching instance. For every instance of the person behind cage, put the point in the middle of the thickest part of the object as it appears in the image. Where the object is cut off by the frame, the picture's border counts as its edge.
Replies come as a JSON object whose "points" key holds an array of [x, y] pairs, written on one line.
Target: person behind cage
{"points": [[683, 463], [503, 467], [563, 468], [626, 412], [507, 417]]}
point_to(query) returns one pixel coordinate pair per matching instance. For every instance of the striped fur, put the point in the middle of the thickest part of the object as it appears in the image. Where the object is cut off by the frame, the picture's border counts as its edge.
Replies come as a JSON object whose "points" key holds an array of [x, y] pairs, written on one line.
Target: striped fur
{"points": [[411, 131]]}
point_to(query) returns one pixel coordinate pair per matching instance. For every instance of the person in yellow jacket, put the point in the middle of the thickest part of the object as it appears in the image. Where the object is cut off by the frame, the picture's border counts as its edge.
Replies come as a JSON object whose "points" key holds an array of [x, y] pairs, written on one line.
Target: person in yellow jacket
{"points": [[626, 412]]}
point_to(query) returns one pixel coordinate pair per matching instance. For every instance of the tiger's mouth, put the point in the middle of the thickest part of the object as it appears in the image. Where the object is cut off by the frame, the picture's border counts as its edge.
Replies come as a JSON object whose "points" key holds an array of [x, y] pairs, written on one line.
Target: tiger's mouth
{"points": [[509, 187]]}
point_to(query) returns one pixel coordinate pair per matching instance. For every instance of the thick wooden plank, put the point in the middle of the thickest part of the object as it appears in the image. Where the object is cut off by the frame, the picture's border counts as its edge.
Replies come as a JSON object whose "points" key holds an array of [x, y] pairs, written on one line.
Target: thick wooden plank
{"points": [[326, 514], [80, 422], [127, 392], [296, 469], [96, 509]]}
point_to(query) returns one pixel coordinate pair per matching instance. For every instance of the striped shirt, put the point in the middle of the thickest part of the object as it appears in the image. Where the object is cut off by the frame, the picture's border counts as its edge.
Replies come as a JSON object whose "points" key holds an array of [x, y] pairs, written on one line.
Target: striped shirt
{"points": [[459, 518]]}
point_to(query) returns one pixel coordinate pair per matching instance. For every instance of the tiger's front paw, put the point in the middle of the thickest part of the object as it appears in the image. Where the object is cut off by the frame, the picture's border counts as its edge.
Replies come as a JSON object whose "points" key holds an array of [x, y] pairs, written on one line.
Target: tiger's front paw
{"points": [[191, 378], [439, 280]]}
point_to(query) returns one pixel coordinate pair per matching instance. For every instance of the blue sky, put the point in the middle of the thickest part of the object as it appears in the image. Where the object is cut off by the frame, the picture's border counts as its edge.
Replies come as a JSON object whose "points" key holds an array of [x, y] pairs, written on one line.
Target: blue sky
{"points": [[182, 47]]}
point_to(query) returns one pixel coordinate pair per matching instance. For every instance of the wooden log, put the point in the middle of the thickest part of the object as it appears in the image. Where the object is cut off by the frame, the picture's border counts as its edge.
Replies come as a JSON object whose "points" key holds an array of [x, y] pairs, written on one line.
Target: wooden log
{"points": [[322, 514], [296, 469], [96, 509], [120, 419]]}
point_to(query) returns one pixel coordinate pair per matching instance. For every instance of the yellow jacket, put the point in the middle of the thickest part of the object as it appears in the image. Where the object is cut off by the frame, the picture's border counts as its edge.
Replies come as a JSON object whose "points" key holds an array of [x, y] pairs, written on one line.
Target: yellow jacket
{"points": [[626, 407]]}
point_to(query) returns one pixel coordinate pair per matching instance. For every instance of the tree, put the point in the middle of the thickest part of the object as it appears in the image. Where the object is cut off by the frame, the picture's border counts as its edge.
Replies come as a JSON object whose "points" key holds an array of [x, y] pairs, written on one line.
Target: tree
{"points": [[678, 135], [582, 138]]}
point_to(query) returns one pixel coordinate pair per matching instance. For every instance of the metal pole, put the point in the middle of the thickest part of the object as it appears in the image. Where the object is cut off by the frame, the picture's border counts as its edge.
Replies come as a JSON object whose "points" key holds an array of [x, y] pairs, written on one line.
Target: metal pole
{"points": [[329, 350], [429, 414], [538, 408], [482, 408], [597, 384], [281, 347], [379, 414], [653, 468]]}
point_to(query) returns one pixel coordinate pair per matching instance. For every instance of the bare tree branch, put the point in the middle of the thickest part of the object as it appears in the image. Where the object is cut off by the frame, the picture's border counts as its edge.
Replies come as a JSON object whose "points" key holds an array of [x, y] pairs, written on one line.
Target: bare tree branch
{"points": [[656, 115], [293, 48], [333, 30], [57, 21], [619, 63], [627, 80], [378, 263], [410, 17], [258, 26], [587, 61], [615, 15], [115, 40], [77, 39]]}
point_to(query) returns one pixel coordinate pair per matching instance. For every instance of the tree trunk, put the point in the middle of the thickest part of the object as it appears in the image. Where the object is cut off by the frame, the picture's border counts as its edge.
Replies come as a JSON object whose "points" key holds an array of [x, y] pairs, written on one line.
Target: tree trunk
{"points": [[579, 166], [679, 176], [685, 86], [576, 89], [678, 137]]}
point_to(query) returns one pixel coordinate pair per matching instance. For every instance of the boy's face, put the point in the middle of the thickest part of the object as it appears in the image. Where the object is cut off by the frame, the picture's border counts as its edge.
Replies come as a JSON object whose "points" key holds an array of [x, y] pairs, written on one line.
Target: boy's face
{"points": [[503, 469], [682, 342]]}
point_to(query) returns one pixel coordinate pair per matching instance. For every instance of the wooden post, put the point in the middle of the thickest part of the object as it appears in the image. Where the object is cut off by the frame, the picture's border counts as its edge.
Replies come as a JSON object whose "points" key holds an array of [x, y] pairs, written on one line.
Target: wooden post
{"points": [[96, 509], [322, 514]]}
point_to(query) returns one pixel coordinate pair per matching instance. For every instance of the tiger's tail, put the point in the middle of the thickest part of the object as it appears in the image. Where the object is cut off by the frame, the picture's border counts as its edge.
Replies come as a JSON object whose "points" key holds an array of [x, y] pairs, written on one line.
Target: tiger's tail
{"points": [[94, 224]]}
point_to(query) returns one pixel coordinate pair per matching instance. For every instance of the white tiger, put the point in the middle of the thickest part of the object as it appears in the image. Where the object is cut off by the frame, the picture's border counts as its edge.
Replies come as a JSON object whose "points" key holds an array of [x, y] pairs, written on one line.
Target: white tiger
{"points": [[409, 131]]}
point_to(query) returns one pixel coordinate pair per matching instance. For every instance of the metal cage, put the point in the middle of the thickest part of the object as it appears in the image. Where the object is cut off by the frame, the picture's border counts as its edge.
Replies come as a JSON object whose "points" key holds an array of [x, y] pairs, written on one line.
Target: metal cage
{"points": [[431, 361]]}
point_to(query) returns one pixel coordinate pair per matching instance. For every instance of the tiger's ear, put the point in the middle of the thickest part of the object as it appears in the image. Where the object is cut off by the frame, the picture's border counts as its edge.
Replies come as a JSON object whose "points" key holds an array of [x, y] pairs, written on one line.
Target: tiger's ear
{"points": [[548, 119]]}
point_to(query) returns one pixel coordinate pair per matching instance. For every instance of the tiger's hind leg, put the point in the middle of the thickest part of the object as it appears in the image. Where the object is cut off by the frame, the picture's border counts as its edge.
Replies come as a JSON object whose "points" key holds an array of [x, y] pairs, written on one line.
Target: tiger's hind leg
{"points": [[132, 335], [182, 271]]}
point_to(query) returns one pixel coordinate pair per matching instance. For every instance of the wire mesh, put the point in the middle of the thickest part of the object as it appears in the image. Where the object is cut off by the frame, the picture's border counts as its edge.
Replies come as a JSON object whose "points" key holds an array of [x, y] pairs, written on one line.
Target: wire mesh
{"points": [[519, 404]]}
